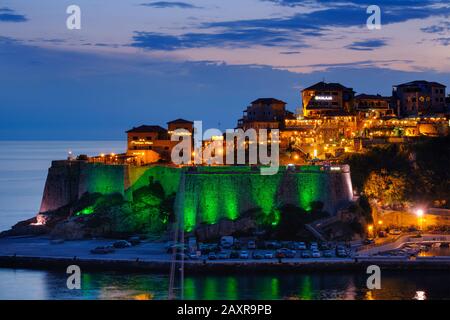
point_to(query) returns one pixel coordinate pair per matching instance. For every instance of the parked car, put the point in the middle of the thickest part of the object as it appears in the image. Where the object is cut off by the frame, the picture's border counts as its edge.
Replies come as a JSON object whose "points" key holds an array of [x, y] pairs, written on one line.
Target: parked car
{"points": [[234, 255], [193, 256], [306, 254], [121, 244], [103, 250], [314, 245], [257, 256], [243, 255], [226, 241], [285, 253], [382, 234], [223, 256], [212, 256], [268, 255], [341, 253], [273, 245], [395, 232], [301, 246], [251, 245], [134, 241], [368, 241], [316, 254], [327, 254]]}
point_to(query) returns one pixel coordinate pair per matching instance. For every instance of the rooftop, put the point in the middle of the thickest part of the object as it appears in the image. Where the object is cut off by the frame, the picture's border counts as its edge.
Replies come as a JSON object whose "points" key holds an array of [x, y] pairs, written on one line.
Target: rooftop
{"points": [[145, 128], [421, 83], [267, 101], [180, 121], [327, 86]]}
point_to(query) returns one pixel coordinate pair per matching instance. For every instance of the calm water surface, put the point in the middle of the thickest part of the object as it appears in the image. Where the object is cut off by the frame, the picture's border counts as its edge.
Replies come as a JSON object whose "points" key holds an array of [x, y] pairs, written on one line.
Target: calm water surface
{"points": [[23, 169], [31, 284]]}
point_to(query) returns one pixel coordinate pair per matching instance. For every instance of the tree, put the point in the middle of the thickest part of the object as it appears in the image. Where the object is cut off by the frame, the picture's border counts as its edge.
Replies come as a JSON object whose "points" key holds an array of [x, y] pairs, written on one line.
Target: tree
{"points": [[388, 188]]}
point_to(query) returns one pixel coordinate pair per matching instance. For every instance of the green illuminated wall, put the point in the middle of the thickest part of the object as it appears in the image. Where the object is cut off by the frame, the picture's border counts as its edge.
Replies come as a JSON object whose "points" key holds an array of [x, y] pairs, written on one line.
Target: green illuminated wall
{"points": [[204, 194], [209, 196], [138, 177]]}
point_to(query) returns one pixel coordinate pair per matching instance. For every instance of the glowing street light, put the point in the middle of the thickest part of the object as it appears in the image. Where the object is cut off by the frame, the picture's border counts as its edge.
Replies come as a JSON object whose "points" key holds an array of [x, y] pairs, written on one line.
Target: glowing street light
{"points": [[420, 213], [370, 230]]}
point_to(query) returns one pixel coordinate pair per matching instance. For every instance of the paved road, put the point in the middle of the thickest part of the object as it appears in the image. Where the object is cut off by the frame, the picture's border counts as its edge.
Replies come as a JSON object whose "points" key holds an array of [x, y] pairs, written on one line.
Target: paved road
{"points": [[42, 247]]}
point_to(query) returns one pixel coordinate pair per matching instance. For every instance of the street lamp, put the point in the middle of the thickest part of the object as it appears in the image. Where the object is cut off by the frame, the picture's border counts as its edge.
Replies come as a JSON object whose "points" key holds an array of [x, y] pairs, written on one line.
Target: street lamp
{"points": [[370, 231], [420, 213]]}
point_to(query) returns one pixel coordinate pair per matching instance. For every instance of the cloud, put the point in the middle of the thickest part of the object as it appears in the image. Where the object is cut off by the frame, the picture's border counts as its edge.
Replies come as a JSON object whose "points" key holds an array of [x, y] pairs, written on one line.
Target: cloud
{"points": [[166, 4], [331, 13], [291, 31], [367, 45], [444, 41], [290, 52], [381, 3], [242, 38], [9, 15], [359, 64], [441, 28]]}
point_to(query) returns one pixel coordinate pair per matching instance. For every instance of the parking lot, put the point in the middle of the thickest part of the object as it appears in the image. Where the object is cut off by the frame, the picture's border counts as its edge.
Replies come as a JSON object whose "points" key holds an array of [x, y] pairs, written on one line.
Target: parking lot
{"points": [[262, 250]]}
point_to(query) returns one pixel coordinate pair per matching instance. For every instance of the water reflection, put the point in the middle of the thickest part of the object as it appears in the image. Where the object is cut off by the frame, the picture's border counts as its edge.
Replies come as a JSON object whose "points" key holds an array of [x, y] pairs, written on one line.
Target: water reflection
{"points": [[420, 295], [29, 284]]}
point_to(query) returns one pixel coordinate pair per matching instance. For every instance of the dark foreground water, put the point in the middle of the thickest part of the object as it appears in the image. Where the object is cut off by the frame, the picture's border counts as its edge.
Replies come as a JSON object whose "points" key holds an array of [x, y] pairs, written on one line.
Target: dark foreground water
{"points": [[30, 284]]}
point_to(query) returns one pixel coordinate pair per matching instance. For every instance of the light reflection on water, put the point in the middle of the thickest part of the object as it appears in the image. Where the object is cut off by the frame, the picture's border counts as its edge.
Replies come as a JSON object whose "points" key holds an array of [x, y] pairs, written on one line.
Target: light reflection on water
{"points": [[32, 284]]}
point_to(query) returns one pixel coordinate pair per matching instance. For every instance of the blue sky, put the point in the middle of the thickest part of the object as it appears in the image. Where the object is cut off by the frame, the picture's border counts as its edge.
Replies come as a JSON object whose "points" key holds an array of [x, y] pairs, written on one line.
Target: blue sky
{"points": [[147, 62]]}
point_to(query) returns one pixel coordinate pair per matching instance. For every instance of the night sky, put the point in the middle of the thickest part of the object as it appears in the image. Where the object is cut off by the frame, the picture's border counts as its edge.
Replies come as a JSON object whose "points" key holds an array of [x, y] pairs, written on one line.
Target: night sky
{"points": [[147, 62]]}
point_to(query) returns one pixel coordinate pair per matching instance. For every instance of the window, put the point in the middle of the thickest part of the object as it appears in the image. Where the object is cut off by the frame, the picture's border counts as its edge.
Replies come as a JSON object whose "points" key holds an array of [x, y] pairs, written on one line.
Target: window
{"points": [[149, 138], [135, 138]]}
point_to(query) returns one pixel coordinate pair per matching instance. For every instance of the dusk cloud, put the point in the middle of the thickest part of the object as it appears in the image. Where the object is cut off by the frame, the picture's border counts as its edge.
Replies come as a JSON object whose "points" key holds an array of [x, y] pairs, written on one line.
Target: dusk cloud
{"points": [[353, 12], [242, 38], [441, 28], [9, 15], [444, 41], [166, 4], [367, 45]]}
